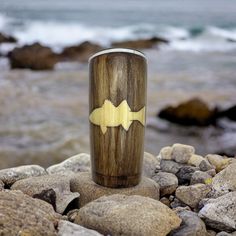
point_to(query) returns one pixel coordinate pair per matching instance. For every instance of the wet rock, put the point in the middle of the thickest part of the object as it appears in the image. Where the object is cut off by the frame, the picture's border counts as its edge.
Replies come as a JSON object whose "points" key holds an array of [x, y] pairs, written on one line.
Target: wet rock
{"points": [[66, 228], [140, 43], [191, 195], [23, 215], [229, 113], [89, 191], [195, 160], [182, 153], [224, 181], [80, 52], [77, 163], [7, 39], [220, 213], [128, 215], [192, 112], [11, 175], [34, 57], [205, 165], [54, 189], [166, 152], [168, 182], [191, 225], [170, 166], [185, 174], [200, 177], [218, 161]]}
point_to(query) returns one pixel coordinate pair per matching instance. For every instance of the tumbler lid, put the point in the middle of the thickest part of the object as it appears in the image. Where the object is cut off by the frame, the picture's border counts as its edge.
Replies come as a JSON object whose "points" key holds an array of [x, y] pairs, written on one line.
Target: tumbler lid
{"points": [[111, 50]]}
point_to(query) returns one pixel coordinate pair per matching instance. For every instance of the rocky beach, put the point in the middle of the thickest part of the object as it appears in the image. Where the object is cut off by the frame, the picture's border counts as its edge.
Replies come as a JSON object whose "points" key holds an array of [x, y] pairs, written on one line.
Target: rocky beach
{"points": [[188, 186], [181, 194]]}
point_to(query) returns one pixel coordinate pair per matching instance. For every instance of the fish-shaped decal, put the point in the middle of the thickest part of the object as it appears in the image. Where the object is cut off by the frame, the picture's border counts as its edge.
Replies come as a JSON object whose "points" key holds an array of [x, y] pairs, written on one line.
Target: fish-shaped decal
{"points": [[111, 116]]}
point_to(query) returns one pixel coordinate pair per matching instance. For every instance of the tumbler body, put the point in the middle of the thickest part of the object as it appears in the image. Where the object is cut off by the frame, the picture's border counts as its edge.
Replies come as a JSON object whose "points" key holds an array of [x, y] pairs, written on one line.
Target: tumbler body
{"points": [[117, 111]]}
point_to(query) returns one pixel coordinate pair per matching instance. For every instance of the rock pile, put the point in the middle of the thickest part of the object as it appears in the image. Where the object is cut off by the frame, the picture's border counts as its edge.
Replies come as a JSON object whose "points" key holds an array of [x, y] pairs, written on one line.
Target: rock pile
{"points": [[181, 194]]}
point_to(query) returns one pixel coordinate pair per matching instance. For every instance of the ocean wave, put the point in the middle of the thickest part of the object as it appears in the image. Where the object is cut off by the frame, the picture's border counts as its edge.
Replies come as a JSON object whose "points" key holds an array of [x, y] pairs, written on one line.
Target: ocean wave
{"points": [[60, 34]]}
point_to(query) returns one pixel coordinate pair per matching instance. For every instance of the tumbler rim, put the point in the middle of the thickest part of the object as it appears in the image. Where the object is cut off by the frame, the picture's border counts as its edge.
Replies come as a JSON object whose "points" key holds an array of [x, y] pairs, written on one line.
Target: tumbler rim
{"points": [[111, 50]]}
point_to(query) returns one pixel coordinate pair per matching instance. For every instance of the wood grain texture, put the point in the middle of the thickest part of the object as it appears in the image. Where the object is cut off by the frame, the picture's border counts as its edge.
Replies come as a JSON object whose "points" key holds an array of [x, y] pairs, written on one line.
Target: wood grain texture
{"points": [[117, 154]]}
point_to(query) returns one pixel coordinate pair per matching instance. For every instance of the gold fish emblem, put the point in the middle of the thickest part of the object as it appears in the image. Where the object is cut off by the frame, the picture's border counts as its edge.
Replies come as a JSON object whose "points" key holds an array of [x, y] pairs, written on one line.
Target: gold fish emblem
{"points": [[111, 116]]}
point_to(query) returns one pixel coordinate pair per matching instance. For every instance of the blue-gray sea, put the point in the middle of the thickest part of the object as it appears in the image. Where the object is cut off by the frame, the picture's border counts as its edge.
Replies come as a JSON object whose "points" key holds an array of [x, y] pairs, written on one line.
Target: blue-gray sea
{"points": [[44, 115]]}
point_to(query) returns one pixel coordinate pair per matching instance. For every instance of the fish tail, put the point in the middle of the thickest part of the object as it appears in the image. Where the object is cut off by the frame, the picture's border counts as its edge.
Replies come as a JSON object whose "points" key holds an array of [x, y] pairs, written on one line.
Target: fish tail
{"points": [[139, 116]]}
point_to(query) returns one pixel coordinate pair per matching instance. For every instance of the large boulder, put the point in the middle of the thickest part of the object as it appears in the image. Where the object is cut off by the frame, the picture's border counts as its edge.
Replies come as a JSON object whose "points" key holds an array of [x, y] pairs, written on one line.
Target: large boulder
{"points": [[191, 225], [89, 190], [192, 112], [7, 39], [168, 182], [23, 215], [35, 57], [77, 163], [128, 215], [140, 43], [66, 228], [80, 52], [229, 113], [11, 175], [220, 213], [54, 189], [225, 181], [193, 194]]}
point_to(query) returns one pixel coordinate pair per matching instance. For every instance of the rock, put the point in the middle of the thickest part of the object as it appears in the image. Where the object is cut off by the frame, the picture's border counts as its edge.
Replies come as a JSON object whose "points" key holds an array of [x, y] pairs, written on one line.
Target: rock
{"points": [[140, 43], [165, 153], [200, 177], [170, 166], [191, 195], [7, 39], [224, 181], [192, 112], [66, 228], [176, 203], [23, 215], [182, 153], [195, 160], [1, 185], [185, 173], [54, 189], [80, 52], [89, 191], [205, 165], [211, 233], [77, 163], [191, 225], [229, 113], [165, 201], [218, 161], [128, 215], [34, 57], [211, 172], [220, 213], [226, 234], [150, 164], [11, 175], [168, 182]]}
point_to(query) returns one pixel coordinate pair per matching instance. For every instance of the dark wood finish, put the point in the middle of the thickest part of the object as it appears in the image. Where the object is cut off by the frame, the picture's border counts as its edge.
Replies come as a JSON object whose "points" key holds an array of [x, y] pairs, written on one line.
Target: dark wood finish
{"points": [[117, 155]]}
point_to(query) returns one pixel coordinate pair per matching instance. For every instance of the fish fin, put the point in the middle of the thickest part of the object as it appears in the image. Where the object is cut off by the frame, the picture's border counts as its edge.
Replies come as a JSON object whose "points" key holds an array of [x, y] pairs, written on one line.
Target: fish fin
{"points": [[126, 125], [104, 129]]}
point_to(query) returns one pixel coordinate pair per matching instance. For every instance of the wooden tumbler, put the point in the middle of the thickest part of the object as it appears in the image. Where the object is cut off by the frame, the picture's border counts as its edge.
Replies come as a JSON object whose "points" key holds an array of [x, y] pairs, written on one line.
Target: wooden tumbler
{"points": [[117, 106]]}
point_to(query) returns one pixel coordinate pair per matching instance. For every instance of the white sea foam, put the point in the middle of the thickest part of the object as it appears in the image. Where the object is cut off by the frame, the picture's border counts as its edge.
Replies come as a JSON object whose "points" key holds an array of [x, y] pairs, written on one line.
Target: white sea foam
{"points": [[60, 34]]}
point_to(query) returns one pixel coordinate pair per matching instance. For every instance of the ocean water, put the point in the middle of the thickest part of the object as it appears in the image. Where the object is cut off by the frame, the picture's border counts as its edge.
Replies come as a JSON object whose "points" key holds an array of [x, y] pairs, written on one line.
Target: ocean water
{"points": [[190, 25]]}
